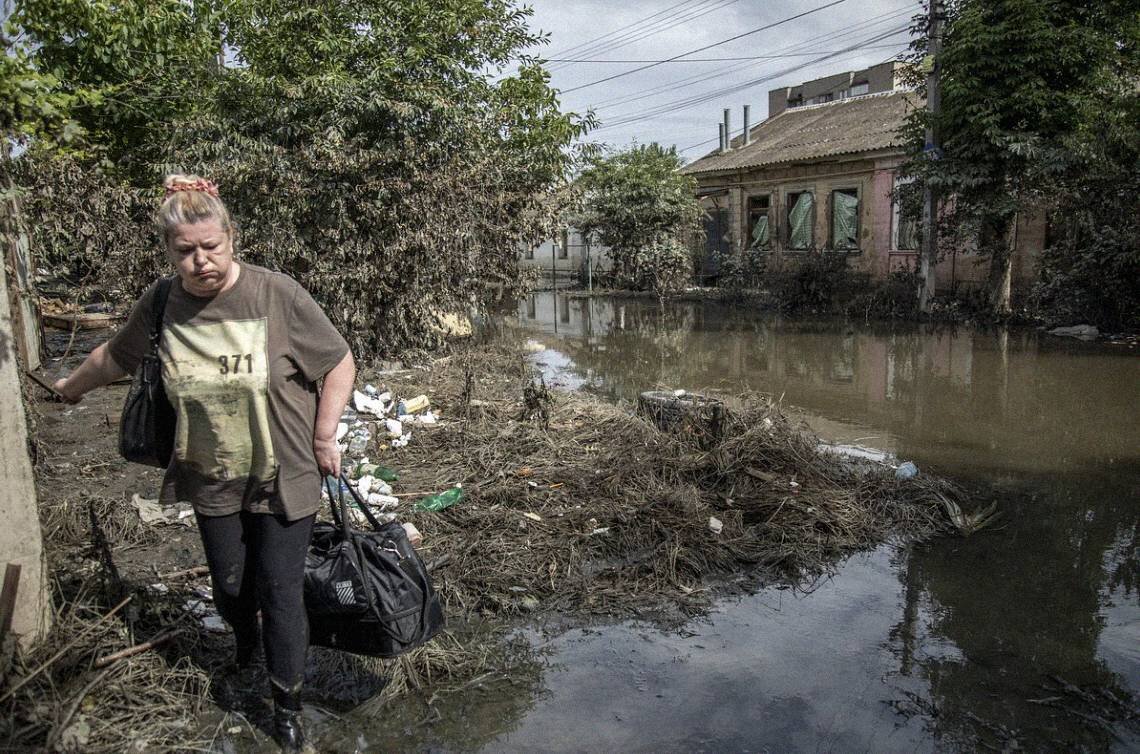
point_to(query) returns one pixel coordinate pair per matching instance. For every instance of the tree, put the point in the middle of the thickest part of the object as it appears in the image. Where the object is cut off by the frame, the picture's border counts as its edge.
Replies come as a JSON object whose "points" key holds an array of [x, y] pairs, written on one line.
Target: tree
{"points": [[132, 66], [639, 204], [1017, 78], [363, 147]]}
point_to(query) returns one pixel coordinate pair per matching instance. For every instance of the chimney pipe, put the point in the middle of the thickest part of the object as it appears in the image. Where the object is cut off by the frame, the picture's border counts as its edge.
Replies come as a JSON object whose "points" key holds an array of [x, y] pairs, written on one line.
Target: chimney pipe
{"points": [[747, 125], [727, 129], [720, 133]]}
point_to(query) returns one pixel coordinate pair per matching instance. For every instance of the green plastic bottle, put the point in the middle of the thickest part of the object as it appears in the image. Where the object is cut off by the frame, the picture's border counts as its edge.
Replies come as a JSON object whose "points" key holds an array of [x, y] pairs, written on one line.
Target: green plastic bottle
{"points": [[445, 499], [375, 470]]}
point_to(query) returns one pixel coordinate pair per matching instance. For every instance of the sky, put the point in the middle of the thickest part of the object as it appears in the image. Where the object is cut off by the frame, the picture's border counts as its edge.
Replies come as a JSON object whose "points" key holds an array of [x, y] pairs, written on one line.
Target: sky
{"points": [[665, 99]]}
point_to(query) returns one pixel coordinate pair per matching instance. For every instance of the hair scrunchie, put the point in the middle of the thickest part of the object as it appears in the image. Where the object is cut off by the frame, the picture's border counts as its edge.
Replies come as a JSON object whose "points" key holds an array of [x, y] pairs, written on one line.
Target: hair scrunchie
{"points": [[203, 185]]}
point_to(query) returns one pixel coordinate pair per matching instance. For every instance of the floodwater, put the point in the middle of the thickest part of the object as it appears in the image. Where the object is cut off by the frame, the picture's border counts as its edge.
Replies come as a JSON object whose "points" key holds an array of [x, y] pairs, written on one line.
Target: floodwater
{"points": [[1026, 636]]}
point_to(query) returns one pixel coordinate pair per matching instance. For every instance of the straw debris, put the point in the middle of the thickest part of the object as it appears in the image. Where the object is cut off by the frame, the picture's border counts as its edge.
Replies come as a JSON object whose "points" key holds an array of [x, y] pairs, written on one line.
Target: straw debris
{"points": [[577, 505]]}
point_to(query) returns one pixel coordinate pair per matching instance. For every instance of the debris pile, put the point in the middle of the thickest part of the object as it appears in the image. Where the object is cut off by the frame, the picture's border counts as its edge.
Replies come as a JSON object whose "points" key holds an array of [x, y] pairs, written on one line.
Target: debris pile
{"points": [[586, 507]]}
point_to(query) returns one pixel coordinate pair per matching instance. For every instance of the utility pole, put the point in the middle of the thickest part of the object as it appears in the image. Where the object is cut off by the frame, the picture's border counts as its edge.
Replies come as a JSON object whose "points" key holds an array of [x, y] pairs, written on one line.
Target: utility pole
{"points": [[929, 252]]}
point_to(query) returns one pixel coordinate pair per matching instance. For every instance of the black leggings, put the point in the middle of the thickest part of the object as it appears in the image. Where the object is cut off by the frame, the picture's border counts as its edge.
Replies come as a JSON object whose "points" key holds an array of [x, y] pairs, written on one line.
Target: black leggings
{"points": [[257, 560]]}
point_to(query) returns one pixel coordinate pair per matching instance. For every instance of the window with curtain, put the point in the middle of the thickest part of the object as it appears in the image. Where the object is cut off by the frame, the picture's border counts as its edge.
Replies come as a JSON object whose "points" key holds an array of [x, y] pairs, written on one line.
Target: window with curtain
{"points": [[845, 219], [801, 220], [759, 231], [905, 222]]}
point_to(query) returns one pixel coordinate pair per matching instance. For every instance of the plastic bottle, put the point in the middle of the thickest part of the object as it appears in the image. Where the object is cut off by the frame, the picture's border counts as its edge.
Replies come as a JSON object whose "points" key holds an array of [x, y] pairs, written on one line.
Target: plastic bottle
{"points": [[358, 441], [376, 470], [445, 499]]}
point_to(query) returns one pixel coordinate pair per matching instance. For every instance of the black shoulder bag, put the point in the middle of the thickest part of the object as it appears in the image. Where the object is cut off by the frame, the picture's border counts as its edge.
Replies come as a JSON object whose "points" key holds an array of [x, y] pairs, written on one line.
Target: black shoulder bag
{"points": [[367, 592], [146, 430]]}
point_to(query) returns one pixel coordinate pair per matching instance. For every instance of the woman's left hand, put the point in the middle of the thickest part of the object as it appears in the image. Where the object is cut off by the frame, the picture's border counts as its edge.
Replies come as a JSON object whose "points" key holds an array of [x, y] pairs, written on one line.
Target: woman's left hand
{"points": [[328, 456]]}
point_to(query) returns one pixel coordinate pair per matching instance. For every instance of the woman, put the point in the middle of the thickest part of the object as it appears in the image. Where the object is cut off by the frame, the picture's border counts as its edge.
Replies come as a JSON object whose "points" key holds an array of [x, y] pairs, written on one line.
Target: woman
{"points": [[242, 350]]}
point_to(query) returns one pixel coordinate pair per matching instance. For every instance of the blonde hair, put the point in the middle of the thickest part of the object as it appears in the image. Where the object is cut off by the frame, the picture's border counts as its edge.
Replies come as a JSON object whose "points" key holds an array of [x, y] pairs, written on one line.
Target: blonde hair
{"points": [[191, 199]]}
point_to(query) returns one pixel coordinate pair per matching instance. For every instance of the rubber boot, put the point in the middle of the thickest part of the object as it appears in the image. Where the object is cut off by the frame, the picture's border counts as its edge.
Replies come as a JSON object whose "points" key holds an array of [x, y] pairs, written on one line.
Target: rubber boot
{"points": [[288, 730]]}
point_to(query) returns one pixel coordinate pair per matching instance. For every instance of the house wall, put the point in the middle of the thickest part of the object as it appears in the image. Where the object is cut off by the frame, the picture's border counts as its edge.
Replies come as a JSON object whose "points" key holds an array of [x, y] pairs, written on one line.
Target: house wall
{"points": [[821, 179], [549, 254], [873, 178]]}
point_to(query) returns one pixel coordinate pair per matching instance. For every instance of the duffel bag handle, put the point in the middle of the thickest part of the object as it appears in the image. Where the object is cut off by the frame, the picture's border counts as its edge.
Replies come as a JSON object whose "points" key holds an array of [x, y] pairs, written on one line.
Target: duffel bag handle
{"points": [[336, 500]]}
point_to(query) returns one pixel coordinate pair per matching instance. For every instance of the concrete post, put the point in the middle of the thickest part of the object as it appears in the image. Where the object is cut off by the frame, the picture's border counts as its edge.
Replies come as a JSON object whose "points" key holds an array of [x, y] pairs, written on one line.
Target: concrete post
{"points": [[21, 541]]}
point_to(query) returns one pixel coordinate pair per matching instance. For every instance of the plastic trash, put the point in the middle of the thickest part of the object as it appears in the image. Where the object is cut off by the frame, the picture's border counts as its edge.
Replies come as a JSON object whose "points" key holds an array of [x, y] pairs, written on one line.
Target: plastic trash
{"points": [[358, 441], [445, 499], [341, 431], [906, 471], [413, 533], [370, 390], [428, 418], [395, 427], [370, 485], [415, 405], [376, 470], [381, 500], [402, 441], [715, 525], [368, 404]]}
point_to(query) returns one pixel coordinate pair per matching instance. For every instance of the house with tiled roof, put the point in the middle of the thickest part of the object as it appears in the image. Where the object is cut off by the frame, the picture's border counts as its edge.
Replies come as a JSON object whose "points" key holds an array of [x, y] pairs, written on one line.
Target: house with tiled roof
{"points": [[817, 177]]}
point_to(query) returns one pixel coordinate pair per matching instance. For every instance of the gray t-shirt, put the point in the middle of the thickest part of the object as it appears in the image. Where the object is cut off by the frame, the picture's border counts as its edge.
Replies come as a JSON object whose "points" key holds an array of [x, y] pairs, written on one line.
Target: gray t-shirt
{"points": [[240, 370]]}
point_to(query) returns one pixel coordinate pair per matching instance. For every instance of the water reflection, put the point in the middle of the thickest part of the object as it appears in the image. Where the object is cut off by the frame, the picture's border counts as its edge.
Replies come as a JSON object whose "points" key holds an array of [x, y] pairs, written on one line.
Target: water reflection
{"points": [[959, 398], [1003, 632]]}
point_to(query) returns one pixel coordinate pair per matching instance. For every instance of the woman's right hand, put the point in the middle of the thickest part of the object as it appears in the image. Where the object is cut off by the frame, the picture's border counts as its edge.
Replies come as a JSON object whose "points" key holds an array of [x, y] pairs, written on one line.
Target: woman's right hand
{"points": [[61, 390]]}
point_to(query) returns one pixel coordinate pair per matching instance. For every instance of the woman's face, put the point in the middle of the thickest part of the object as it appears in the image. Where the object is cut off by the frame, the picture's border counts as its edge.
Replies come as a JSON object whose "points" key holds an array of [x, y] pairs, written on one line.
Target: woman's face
{"points": [[203, 253]]}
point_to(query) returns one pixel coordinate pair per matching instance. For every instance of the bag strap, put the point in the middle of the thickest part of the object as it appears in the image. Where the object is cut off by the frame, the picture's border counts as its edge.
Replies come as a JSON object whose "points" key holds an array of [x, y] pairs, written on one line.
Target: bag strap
{"points": [[332, 493], [158, 310]]}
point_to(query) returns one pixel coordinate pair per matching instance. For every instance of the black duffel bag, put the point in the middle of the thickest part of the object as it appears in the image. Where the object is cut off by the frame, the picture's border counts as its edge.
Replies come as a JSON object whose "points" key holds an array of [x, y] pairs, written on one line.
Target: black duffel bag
{"points": [[367, 592]]}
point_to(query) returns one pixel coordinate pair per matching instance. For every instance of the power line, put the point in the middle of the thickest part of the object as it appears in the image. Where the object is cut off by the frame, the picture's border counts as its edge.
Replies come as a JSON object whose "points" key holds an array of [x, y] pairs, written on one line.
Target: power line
{"points": [[630, 25], [694, 60], [687, 81], [685, 103], [707, 47], [662, 25]]}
